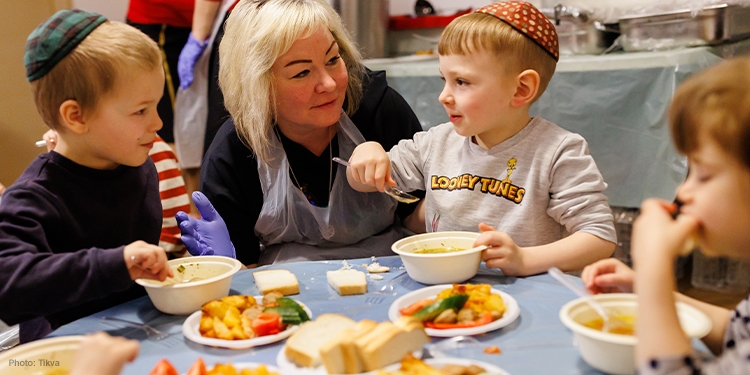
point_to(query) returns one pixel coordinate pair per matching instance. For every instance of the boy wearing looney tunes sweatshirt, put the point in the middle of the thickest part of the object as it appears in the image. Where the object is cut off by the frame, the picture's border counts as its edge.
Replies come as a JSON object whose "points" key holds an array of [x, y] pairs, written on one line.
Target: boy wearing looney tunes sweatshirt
{"points": [[530, 186]]}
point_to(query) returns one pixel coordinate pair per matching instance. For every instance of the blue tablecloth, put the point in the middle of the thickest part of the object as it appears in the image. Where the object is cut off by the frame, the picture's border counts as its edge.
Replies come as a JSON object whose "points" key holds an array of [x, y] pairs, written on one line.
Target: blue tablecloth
{"points": [[536, 343], [617, 102]]}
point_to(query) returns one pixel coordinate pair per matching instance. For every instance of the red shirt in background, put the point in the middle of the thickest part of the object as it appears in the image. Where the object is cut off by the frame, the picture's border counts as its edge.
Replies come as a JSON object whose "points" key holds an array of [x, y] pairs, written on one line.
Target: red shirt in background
{"points": [[178, 13]]}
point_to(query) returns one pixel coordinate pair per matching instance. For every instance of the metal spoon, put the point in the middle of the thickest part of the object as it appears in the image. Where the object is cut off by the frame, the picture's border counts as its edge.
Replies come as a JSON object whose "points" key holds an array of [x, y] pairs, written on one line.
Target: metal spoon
{"points": [[393, 191]]}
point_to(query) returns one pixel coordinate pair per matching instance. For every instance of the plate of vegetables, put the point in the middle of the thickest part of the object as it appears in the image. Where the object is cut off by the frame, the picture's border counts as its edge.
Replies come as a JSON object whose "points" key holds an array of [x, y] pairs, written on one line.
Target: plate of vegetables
{"points": [[457, 309], [164, 367], [240, 322]]}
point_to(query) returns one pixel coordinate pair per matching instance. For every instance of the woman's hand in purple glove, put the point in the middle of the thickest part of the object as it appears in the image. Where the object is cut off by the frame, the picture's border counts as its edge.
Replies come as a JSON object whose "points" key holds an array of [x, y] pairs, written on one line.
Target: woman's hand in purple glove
{"points": [[208, 235], [186, 62]]}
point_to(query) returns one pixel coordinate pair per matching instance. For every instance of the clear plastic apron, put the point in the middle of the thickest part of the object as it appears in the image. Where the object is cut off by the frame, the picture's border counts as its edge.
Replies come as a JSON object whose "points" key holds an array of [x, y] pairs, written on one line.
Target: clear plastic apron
{"points": [[354, 225]]}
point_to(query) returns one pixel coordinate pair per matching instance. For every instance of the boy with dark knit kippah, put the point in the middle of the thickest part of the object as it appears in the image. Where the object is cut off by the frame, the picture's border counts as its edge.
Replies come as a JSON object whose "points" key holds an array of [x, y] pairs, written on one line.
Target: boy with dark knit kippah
{"points": [[493, 163], [82, 222]]}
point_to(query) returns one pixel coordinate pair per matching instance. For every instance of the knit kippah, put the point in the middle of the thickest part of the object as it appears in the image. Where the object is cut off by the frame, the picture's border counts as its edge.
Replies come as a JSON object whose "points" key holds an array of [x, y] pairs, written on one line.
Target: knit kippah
{"points": [[51, 41], [528, 20]]}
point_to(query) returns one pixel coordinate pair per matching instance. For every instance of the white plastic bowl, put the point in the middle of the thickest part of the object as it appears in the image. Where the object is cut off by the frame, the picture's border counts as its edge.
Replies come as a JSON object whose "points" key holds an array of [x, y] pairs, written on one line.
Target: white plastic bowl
{"points": [[613, 353], [179, 298], [41, 356], [439, 268]]}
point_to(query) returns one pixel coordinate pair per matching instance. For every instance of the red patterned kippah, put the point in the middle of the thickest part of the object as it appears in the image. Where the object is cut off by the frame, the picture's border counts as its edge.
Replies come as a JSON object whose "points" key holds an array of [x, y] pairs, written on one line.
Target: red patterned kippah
{"points": [[528, 20]]}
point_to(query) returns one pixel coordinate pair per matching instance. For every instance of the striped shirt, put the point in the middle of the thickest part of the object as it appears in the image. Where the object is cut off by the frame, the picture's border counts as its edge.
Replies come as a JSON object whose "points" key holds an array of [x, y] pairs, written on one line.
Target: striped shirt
{"points": [[173, 194]]}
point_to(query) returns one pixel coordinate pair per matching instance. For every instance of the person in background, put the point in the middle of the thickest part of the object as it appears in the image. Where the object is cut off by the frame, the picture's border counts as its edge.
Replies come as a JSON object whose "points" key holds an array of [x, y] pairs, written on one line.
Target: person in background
{"points": [[299, 95], [710, 124], [2, 190], [172, 192], [532, 180], [82, 222]]}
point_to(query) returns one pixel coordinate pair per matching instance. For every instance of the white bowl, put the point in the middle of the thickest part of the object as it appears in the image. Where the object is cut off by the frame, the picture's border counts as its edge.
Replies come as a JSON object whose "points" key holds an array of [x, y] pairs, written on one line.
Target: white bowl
{"points": [[39, 357], [613, 353], [439, 268], [174, 297]]}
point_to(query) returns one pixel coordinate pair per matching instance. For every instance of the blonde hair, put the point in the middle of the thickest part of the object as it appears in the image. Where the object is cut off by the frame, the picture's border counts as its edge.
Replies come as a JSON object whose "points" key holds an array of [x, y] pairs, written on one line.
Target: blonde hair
{"points": [[714, 103], [476, 32], [91, 70], [257, 33]]}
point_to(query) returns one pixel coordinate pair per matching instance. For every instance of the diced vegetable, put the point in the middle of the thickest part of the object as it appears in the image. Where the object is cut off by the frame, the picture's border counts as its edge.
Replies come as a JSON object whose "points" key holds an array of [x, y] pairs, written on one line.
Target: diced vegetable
{"points": [[288, 302], [198, 368], [288, 315], [163, 367], [267, 324], [416, 306], [429, 312], [485, 319]]}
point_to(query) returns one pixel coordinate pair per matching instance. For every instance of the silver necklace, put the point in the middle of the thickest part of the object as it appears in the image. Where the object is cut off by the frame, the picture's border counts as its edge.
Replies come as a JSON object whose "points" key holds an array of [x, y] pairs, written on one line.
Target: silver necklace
{"points": [[330, 166]]}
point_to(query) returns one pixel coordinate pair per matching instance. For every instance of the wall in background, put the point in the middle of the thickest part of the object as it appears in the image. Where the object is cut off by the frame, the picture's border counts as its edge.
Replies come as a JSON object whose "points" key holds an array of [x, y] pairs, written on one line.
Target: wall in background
{"points": [[112, 9], [20, 124]]}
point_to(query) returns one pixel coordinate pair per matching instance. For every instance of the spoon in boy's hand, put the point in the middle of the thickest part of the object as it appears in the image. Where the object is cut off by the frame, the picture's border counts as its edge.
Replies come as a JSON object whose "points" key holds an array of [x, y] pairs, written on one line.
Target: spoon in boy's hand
{"points": [[393, 191]]}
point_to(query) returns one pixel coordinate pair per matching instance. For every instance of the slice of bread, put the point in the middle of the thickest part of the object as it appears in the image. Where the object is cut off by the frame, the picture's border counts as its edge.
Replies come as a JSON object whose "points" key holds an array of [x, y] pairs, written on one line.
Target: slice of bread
{"points": [[347, 282], [388, 343], [339, 355], [303, 346], [281, 281]]}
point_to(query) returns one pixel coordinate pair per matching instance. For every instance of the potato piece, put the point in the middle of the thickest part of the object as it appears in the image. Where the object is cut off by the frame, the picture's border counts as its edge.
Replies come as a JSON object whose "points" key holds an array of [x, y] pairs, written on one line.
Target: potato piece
{"points": [[253, 312], [447, 316], [247, 326], [232, 317], [215, 308], [206, 324], [238, 333], [466, 315], [210, 334], [240, 302], [222, 332], [270, 298]]}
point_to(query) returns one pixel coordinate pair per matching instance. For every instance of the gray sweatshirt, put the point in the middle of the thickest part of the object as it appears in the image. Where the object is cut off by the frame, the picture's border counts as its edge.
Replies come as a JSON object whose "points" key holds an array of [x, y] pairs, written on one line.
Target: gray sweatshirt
{"points": [[538, 186]]}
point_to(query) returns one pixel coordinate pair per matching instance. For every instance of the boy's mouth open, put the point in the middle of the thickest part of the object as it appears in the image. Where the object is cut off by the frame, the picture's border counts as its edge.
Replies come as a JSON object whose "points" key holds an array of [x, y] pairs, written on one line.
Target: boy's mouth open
{"points": [[455, 118]]}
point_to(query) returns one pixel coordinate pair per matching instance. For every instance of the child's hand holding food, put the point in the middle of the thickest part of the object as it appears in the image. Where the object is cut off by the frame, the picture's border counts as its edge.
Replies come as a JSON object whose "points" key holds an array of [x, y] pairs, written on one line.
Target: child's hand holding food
{"points": [[146, 261], [503, 252], [370, 165], [103, 354], [657, 235], [608, 276]]}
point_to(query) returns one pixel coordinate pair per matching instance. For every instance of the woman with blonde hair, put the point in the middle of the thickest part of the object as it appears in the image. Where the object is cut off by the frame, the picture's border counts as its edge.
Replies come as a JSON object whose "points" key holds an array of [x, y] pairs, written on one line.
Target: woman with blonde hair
{"points": [[298, 95]]}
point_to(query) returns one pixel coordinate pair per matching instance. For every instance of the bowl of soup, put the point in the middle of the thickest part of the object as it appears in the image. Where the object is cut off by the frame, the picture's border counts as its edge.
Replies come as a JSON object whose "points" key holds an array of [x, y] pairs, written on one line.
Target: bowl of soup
{"points": [[440, 257], [53, 356], [613, 351], [196, 281]]}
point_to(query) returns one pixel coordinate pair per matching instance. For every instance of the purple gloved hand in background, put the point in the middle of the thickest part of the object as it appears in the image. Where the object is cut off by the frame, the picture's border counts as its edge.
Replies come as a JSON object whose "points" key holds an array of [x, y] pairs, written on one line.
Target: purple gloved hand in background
{"points": [[186, 62], [208, 235]]}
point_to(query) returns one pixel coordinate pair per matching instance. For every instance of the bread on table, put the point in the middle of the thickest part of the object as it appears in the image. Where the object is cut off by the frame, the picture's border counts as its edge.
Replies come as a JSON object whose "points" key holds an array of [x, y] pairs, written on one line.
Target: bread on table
{"points": [[339, 354], [303, 346], [281, 281], [347, 282], [388, 343]]}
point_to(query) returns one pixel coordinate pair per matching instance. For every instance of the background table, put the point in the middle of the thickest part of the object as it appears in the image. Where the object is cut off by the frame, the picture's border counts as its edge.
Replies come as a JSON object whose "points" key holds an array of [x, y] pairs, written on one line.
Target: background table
{"points": [[536, 343], [618, 102]]}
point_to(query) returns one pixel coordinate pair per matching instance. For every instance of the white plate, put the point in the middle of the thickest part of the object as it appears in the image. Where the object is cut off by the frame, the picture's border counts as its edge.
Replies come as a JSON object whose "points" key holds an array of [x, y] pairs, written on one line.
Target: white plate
{"points": [[250, 366], [192, 325], [511, 311], [291, 368]]}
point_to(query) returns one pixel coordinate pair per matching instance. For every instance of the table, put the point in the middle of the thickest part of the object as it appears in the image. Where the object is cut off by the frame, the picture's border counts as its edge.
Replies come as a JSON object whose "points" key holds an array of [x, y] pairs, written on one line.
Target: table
{"points": [[536, 343], [618, 102]]}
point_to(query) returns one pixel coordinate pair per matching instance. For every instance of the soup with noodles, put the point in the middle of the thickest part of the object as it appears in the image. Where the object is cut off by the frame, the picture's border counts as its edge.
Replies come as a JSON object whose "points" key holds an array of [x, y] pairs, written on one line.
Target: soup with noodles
{"points": [[438, 250]]}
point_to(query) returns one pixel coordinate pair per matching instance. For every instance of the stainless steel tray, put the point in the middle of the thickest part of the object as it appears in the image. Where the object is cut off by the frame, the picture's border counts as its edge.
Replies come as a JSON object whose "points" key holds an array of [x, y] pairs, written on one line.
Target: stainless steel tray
{"points": [[714, 24]]}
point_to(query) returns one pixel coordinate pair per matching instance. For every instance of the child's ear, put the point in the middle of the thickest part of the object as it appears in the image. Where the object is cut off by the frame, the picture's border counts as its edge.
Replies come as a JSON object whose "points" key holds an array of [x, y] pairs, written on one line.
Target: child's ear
{"points": [[528, 86], [71, 117]]}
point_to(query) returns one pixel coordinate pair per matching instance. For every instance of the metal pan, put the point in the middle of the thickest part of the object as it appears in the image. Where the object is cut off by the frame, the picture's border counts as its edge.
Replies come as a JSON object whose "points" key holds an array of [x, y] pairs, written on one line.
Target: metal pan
{"points": [[712, 25]]}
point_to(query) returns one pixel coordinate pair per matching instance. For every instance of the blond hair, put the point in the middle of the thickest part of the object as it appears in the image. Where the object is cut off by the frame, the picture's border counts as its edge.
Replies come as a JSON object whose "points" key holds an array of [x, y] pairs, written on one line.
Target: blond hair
{"points": [[257, 33], [91, 69], [714, 103], [476, 32]]}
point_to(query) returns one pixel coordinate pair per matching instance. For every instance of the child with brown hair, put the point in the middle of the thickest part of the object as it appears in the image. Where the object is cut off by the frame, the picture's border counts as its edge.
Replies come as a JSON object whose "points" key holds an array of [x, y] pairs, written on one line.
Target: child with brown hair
{"points": [[82, 222], [710, 123], [532, 180]]}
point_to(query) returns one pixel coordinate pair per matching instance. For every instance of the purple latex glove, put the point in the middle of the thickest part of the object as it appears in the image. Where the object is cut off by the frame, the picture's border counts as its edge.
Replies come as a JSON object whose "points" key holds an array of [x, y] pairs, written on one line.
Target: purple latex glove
{"points": [[186, 62], [208, 235]]}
